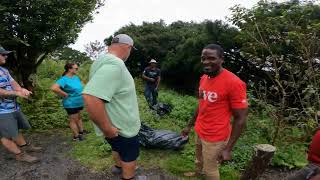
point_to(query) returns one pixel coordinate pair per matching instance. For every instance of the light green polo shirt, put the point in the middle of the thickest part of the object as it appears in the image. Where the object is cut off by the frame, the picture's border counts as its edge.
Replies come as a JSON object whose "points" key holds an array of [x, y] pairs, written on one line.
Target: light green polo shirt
{"points": [[110, 80]]}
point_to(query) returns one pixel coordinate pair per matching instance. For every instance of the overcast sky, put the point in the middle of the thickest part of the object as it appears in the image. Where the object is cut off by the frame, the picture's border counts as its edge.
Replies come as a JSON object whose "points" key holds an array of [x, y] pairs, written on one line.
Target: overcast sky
{"points": [[118, 13]]}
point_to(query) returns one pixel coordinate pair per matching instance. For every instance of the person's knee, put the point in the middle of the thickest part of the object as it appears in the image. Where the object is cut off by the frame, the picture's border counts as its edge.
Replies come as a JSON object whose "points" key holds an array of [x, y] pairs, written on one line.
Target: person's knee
{"points": [[8, 139], [73, 117], [72, 122], [78, 118]]}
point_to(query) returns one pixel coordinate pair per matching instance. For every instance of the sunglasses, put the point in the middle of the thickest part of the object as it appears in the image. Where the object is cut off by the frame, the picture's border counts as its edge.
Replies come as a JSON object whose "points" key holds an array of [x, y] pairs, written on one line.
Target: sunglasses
{"points": [[4, 55]]}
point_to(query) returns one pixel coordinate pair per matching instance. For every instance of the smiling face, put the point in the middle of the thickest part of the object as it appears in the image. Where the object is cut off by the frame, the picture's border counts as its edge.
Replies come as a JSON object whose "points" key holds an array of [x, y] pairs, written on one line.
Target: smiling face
{"points": [[211, 61]]}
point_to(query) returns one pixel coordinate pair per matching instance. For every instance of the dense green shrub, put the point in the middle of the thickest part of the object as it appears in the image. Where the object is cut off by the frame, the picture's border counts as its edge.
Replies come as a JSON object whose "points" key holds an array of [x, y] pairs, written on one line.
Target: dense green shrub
{"points": [[44, 109]]}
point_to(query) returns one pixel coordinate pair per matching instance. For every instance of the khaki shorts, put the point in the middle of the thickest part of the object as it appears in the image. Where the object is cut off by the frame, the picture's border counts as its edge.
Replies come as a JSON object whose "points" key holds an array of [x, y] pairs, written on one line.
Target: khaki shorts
{"points": [[207, 154]]}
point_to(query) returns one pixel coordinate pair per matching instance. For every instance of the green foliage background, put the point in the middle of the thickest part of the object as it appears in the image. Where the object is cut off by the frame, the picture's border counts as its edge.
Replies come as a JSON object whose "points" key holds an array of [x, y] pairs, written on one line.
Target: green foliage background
{"points": [[275, 49], [177, 48], [34, 28], [45, 112]]}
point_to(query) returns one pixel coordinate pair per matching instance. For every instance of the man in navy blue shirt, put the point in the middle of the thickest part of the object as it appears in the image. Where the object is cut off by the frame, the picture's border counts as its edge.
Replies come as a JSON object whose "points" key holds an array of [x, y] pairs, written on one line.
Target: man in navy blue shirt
{"points": [[151, 75]]}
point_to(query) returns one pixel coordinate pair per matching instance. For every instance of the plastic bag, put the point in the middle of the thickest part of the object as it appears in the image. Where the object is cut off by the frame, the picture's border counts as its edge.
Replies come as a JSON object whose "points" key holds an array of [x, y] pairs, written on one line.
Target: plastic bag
{"points": [[161, 139], [162, 108]]}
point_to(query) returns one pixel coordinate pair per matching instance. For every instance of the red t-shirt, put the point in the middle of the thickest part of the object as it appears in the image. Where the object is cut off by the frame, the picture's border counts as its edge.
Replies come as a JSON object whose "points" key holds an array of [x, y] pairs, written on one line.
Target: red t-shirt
{"points": [[217, 97], [314, 150]]}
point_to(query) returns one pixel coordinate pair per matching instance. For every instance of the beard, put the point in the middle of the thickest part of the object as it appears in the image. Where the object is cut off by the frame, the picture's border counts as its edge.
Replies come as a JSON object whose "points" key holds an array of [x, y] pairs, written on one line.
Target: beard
{"points": [[211, 70]]}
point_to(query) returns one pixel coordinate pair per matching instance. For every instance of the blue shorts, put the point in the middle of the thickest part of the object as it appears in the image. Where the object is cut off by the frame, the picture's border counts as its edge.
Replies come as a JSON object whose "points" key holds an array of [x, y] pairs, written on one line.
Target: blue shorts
{"points": [[128, 148]]}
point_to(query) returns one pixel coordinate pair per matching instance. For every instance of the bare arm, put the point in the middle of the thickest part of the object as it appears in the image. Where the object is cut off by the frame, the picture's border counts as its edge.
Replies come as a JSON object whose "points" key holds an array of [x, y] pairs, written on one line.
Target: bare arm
{"points": [[17, 91], [239, 122], [191, 123], [21, 91], [158, 81], [15, 85], [194, 117], [147, 78], [5, 93], [56, 88], [97, 113]]}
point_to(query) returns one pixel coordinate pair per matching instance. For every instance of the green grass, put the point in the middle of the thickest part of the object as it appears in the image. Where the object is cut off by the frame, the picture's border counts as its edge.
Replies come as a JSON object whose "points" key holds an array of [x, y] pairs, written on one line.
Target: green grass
{"points": [[45, 112], [97, 155], [92, 152]]}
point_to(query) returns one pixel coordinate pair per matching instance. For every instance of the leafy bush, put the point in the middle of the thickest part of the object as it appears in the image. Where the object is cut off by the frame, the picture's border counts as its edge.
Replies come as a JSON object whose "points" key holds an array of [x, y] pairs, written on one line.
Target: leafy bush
{"points": [[44, 109]]}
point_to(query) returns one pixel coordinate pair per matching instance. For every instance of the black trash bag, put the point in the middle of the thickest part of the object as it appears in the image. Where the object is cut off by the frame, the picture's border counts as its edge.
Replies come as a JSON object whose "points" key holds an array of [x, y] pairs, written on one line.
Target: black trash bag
{"points": [[160, 139], [162, 108]]}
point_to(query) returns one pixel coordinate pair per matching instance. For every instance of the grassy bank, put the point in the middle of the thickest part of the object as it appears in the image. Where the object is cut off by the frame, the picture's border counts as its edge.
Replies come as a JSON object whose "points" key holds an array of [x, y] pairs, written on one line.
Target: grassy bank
{"points": [[45, 112]]}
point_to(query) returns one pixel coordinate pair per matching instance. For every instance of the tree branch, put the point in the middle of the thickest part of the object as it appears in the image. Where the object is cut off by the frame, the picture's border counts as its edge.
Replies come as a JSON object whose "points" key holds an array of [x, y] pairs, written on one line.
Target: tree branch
{"points": [[41, 58]]}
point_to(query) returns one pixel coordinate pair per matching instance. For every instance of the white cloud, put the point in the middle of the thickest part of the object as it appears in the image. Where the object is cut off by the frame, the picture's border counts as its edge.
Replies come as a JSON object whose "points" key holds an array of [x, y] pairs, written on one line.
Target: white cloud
{"points": [[118, 13]]}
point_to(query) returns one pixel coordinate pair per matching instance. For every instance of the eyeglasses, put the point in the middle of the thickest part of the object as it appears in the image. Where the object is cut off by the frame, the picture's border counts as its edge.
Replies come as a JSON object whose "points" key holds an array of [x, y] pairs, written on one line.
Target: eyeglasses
{"points": [[75, 69], [4, 55]]}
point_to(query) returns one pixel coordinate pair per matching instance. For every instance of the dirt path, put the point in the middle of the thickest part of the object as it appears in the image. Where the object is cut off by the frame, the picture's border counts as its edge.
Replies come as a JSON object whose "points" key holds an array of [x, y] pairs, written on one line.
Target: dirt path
{"points": [[276, 174], [56, 165]]}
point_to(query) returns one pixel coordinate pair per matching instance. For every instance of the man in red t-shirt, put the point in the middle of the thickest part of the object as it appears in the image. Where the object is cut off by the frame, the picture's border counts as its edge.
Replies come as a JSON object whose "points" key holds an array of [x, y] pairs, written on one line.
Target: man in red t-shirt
{"points": [[312, 170], [222, 95]]}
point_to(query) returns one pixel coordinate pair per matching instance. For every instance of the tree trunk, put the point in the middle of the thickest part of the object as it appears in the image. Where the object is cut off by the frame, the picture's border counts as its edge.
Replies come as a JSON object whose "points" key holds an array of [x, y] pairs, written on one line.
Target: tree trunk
{"points": [[26, 69], [24, 63], [26, 82], [260, 160]]}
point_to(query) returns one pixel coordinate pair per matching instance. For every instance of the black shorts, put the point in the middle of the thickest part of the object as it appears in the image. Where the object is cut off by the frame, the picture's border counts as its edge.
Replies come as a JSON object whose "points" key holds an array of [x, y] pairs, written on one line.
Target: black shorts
{"points": [[128, 148], [71, 111]]}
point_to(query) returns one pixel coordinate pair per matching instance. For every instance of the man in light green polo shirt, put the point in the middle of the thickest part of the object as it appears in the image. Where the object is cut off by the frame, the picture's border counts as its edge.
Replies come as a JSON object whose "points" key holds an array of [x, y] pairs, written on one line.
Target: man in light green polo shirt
{"points": [[111, 101]]}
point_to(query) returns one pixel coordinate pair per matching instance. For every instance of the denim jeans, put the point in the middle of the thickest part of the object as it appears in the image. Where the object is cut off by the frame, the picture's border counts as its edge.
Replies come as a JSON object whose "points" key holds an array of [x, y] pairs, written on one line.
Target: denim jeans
{"points": [[151, 95]]}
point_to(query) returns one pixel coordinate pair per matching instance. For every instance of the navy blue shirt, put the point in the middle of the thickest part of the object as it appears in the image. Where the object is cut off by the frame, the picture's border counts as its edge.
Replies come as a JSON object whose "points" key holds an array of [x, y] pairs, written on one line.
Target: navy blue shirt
{"points": [[152, 73]]}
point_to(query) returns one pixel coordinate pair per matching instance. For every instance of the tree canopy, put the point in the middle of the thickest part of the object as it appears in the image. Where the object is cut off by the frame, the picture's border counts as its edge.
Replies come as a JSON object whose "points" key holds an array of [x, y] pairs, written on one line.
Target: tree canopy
{"points": [[282, 39], [70, 54], [178, 47], [34, 28]]}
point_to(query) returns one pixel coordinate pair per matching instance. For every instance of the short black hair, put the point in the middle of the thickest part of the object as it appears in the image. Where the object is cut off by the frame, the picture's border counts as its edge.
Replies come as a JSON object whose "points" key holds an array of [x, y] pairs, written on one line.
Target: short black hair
{"points": [[216, 47]]}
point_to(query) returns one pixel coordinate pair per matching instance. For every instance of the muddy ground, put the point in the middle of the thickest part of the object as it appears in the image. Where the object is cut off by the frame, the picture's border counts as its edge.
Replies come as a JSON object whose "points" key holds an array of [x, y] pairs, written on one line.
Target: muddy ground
{"points": [[56, 165]]}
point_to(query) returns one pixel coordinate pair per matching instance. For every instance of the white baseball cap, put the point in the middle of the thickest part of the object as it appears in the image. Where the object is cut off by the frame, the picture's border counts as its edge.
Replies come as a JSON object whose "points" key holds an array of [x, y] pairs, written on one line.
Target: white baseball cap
{"points": [[153, 61]]}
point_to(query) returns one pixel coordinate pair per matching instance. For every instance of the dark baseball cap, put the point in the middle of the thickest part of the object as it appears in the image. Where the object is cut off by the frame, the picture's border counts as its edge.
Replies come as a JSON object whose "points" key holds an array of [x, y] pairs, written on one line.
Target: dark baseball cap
{"points": [[3, 51], [123, 39]]}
